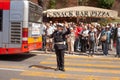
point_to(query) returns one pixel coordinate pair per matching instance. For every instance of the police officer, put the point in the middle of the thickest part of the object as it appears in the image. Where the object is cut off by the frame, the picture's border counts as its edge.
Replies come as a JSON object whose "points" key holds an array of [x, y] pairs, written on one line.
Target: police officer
{"points": [[60, 45]]}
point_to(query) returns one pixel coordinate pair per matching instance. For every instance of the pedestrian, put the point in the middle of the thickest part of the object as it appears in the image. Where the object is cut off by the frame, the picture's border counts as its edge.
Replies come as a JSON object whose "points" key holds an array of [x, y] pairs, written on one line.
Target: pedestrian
{"points": [[84, 39], [76, 44], [43, 33], [59, 37], [105, 43], [112, 29], [49, 40], [71, 41], [117, 40], [92, 40]]}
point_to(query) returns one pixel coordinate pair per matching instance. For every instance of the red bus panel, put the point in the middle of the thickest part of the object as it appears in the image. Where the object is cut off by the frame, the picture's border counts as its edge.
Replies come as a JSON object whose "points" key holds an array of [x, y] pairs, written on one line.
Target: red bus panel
{"points": [[5, 4]]}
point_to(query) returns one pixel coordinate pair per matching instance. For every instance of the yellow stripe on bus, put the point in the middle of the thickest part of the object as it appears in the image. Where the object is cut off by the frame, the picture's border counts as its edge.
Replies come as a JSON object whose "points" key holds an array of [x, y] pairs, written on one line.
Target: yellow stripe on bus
{"points": [[33, 40]]}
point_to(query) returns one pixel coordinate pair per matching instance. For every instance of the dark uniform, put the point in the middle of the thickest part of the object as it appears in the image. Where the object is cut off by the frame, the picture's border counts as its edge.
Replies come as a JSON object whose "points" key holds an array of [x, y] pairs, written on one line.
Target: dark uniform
{"points": [[60, 46]]}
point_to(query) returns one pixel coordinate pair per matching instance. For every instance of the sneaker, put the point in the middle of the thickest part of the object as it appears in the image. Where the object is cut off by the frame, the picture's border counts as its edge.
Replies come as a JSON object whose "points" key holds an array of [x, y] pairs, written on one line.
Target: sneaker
{"points": [[78, 50]]}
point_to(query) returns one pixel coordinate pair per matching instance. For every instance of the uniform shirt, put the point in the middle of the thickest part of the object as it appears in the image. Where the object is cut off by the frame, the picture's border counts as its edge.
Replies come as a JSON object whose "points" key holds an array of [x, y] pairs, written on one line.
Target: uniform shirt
{"points": [[59, 36]]}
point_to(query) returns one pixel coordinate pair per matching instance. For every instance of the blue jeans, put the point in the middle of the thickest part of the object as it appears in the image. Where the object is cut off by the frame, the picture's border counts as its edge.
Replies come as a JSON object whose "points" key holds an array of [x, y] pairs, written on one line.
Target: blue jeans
{"points": [[105, 47], [76, 44]]}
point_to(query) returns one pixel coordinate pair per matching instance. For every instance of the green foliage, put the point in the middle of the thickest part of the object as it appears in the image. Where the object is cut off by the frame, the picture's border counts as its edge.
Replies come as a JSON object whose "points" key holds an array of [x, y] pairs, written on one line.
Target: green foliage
{"points": [[40, 2], [83, 2], [105, 21], [105, 3], [64, 3], [52, 4]]}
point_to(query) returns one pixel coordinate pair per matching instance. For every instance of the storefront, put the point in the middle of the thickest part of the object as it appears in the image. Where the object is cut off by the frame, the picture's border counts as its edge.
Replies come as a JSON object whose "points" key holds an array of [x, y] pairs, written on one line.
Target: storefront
{"points": [[80, 13]]}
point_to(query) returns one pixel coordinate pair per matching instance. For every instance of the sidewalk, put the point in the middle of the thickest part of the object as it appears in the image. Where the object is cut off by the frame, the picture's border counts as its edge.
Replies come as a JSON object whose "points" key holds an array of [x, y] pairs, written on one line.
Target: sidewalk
{"points": [[97, 54]]}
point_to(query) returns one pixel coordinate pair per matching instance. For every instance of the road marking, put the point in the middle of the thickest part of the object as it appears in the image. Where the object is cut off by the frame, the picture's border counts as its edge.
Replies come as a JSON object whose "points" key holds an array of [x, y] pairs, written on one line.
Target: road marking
{"points": [[85, 60], [86, 57], [84, 64], [87, 70], [90, 58], [66, 76], [6, 66], [16, 79], [10, 69]]}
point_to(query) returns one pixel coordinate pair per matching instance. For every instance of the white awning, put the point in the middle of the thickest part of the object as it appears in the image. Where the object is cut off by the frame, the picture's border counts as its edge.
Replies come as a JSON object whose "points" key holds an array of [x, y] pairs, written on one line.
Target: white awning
{"points": [[82, 11]]}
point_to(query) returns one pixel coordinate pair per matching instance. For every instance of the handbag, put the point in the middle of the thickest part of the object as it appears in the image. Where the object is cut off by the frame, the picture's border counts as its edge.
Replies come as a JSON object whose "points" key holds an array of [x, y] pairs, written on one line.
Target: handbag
{"points": [[103, 38]]}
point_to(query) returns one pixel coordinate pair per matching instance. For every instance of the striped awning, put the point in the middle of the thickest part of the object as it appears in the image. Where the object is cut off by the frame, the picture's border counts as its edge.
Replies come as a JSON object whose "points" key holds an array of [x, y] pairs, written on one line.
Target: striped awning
{"points": [[82, 11]]}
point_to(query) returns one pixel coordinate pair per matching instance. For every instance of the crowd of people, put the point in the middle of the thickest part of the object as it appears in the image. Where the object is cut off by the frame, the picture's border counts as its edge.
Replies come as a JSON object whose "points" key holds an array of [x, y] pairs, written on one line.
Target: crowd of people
{"points": [[84, 37]]}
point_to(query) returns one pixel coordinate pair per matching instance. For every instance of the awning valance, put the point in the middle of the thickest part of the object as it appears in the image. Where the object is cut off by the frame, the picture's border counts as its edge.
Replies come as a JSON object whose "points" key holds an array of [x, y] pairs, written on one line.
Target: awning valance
{"points": [[82, 11]]}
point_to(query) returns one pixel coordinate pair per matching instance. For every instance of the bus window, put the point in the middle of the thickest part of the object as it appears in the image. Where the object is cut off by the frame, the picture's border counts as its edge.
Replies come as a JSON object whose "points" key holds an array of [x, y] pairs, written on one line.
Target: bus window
{"points": [[35, 14], [1, 19]]}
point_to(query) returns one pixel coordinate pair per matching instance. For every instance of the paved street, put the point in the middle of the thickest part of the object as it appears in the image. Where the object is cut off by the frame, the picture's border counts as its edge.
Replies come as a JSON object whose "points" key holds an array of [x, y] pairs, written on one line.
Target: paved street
{"points": [[40, 66]]}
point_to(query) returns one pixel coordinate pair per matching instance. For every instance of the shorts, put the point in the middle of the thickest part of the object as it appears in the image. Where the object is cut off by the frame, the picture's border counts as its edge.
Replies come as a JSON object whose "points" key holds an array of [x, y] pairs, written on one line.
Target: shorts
{"points": [[49, 40]]}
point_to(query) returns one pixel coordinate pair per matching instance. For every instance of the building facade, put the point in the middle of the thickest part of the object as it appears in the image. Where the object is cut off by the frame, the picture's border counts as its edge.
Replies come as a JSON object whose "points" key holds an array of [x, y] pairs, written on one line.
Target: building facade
{"points": [[71, 3], [35, 1]]}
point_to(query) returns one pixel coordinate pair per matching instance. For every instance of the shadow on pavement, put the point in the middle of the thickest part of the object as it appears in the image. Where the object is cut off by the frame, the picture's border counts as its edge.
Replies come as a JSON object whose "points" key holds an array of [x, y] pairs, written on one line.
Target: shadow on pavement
{"points": [[16, 57], [42, 67]]}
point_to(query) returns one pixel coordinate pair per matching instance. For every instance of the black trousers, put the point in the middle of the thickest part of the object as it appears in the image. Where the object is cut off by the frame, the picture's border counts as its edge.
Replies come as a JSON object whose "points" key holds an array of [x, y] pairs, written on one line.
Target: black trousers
{"points": [[60, 58], [83, 45], [91, 47], [44, 42]]}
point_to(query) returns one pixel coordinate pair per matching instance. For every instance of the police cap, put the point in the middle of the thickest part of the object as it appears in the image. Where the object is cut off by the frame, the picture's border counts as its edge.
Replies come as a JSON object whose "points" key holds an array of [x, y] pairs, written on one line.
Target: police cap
{"points": [[60, 26]]}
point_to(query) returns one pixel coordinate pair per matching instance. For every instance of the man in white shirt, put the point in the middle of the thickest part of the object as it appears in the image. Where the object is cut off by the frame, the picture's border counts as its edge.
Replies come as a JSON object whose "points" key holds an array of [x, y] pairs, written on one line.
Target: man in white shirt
{"points": [[49, 41], [117, 40], [84, 39]]}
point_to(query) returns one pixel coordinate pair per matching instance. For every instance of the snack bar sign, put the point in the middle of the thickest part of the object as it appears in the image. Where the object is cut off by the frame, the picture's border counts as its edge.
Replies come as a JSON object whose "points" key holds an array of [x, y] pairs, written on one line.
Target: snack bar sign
{"points": [[80, 14]]}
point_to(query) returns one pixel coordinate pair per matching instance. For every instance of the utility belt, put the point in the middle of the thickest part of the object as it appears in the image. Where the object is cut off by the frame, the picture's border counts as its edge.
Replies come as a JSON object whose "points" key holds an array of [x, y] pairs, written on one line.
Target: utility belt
{"points": [[60, 42]]}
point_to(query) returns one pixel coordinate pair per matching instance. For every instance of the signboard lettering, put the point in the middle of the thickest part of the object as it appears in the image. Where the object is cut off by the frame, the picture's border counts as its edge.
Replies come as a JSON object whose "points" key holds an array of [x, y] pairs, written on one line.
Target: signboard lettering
{"points": [[81, 13]]}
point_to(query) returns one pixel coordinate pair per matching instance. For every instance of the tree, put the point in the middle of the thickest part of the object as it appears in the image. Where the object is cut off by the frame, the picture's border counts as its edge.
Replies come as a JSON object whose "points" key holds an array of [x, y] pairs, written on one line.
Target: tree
{"points": [[52, 4], [83, 2], [105, 3], [40, 2]]}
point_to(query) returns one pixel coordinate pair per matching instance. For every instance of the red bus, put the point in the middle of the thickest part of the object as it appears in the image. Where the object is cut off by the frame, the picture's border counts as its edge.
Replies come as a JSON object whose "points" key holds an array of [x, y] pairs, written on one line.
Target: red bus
{"points": [[20, 23]]}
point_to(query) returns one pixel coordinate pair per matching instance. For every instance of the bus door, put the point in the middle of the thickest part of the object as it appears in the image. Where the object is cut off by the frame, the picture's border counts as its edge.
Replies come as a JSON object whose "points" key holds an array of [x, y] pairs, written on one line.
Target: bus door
{"points": [[1, 16]]}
